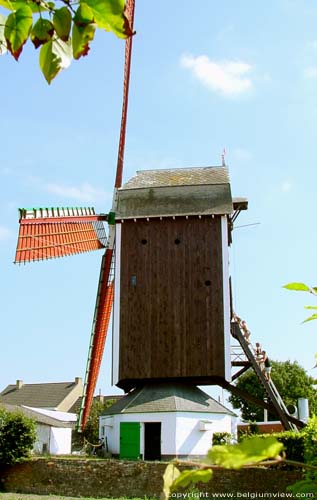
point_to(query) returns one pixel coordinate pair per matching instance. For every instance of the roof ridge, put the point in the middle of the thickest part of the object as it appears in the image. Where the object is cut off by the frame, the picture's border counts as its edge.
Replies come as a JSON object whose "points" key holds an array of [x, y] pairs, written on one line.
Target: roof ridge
{"points": [[133, 399], [44, 383], [179, 168]]}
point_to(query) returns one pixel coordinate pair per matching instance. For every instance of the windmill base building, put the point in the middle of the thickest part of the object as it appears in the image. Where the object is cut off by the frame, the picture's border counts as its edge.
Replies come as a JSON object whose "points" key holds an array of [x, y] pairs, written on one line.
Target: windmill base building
{"points": [[164, 421]]}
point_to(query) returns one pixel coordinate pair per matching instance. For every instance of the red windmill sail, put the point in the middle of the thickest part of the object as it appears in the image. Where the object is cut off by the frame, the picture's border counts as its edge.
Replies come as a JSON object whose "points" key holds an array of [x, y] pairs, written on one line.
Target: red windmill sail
{"points": [[47, 233], [105, 287]]}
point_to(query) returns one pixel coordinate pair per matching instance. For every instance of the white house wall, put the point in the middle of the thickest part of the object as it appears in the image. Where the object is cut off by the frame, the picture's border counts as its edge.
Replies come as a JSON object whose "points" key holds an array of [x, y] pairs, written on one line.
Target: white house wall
{"points": [[180, 432], [60, 441], [168, 430], [42, 438], [190, 439]]}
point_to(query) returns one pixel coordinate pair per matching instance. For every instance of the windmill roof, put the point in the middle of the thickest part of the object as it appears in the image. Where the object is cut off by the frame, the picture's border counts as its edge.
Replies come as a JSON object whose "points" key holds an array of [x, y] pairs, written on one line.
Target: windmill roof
{"points": [[182, 191], [49, 395], [178, 177], [167, 398]]}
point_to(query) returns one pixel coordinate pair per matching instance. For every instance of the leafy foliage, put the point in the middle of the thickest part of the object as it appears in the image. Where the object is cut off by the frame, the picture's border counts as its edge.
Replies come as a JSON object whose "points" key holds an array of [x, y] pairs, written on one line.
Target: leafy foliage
{"points": [[221, 438], [250, 452], [91, 432], [301, 287], [291, 380], [63, 32], [17, 436], [309, 483], [293, 443]]}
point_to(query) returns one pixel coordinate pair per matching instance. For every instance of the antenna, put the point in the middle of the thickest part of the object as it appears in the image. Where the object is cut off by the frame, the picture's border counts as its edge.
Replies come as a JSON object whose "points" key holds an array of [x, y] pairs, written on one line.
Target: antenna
{"points": [[247, 225], [223, 162]]}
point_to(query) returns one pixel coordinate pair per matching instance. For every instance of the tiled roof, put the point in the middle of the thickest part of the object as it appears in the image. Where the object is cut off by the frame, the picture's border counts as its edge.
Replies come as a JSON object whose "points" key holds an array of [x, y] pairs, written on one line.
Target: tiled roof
{"points": [[167, 398], [178, 177], [37, 395]]}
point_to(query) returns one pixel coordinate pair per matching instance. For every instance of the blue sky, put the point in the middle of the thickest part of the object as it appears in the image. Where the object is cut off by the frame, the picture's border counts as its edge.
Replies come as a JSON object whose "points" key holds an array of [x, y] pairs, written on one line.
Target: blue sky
{"points": [[205, 76]]}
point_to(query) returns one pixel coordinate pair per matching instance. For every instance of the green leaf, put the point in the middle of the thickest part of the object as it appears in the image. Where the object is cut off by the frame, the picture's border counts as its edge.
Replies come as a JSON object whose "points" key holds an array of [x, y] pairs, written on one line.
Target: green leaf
{"points": [[7, 4], [310, 307], [109, 15], [17, 29], [34, 6], [187, 477], [55, 55], [42, 32], [3, 43], [298, 287], [170, 475], [81, 38], [83, 32], [248, 452], [311, 318], [62, 21]]}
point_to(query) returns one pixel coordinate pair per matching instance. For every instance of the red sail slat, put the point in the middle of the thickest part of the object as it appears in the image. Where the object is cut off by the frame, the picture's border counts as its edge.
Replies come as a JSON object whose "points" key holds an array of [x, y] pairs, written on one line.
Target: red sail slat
{"points": [[49, 238], [98, 335]]}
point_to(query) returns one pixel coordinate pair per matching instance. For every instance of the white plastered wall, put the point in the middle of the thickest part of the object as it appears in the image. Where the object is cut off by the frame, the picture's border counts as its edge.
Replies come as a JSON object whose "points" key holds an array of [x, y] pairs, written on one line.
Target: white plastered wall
{"points": [[60, 441], [191, 439], [42, 438], [181, 433], [112, 433]]}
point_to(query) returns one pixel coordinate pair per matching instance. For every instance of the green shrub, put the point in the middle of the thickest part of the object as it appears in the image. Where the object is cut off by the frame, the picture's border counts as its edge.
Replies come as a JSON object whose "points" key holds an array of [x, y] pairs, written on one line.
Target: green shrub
{"points": [[17, 436], [294, 443], [221, 438], [309, 483]]}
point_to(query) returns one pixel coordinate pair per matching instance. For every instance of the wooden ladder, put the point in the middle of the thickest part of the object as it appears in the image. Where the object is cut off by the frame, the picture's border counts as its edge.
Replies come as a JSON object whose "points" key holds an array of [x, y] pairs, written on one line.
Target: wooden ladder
{"points": [[289, 422]]}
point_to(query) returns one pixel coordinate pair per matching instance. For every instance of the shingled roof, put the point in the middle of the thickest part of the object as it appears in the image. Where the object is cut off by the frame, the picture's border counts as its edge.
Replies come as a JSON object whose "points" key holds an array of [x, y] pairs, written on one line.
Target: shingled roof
{"points": [[195, 176], [59, 395], [181, 191], [167, 398]]}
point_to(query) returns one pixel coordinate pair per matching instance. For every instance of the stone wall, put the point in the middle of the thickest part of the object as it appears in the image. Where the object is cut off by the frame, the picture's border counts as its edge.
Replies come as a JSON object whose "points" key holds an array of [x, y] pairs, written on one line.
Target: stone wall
{"points": [[114, 478]]}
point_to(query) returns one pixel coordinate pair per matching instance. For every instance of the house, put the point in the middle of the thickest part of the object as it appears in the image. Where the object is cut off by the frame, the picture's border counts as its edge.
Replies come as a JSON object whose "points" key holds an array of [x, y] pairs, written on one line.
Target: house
{"points": [[53, 429], [59, 396], [163, 421]]}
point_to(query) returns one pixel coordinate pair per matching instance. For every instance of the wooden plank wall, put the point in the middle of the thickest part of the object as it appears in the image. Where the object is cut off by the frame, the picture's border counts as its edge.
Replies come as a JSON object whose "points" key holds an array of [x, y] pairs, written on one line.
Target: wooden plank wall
{"points": [[171, 304]]}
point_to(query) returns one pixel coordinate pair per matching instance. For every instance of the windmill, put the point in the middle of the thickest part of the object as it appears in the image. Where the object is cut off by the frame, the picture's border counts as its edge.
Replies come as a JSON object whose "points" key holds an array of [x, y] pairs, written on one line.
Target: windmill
{"points": [[170, 231], [47, 233]]}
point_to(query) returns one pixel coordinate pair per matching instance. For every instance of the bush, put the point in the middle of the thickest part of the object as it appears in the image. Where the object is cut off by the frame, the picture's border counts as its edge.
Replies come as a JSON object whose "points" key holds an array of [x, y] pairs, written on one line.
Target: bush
{"points": [[221, 438], [294, 443], [308, 485], [17, 436]]}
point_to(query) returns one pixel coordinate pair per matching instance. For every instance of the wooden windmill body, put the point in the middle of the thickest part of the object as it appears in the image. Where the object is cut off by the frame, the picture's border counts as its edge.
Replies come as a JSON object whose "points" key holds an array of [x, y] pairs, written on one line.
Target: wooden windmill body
{"points": [[172, 300]]}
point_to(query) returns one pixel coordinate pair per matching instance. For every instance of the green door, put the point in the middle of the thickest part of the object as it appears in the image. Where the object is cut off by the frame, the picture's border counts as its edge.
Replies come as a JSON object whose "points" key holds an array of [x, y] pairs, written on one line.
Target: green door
{"points": [[130, 440]]}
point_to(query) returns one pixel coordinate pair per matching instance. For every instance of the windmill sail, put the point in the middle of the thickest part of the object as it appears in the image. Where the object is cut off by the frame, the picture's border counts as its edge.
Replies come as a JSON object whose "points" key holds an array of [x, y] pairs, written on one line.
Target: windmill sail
{"points": [[48, 233], [105, 287], [99, 333]]}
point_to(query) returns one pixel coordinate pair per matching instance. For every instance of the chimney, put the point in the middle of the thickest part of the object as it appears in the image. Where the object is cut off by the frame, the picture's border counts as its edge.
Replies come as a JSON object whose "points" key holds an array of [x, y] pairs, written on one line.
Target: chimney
{"points": [[19, 384], [78, 381]]}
